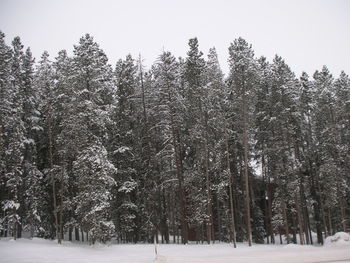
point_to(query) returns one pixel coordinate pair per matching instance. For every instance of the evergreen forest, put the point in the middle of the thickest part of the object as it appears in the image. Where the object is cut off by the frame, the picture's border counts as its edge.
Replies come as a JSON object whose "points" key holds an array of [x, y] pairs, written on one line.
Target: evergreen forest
{"points": [[175, 153]]}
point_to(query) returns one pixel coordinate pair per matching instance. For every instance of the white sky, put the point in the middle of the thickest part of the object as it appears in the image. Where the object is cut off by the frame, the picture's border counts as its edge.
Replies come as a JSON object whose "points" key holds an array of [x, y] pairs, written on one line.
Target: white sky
{"points": [[306, 33]]}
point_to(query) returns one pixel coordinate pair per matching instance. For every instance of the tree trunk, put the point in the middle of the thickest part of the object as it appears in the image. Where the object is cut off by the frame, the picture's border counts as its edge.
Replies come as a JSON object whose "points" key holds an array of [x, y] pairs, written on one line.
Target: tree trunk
{"points": [[233, 227], [209, 205], [49, 120], [70, 232], [76, 232], [218, 213], [294, 227], [181, 192], [15, 227], [173, 225], [19, 230], [317, 209], [343, 215], [269, 209], [300, 221], [164, 220], [309, 225], [285, 219], [61, 206], [265, 205], [246, 178], [330, 222]]}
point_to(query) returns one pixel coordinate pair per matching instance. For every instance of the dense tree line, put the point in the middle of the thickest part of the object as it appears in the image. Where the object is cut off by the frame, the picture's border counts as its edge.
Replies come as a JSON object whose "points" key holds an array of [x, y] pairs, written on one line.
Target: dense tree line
{"points": [[178, 152]]}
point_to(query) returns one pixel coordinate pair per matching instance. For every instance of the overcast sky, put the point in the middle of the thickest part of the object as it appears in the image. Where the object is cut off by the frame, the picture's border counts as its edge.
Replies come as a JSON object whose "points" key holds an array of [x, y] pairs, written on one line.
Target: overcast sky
{"points": [[306, 33]]}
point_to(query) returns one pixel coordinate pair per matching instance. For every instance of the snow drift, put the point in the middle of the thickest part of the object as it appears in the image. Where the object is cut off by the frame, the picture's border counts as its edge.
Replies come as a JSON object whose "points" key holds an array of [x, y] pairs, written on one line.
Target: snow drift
{"points": [[338, 239]]}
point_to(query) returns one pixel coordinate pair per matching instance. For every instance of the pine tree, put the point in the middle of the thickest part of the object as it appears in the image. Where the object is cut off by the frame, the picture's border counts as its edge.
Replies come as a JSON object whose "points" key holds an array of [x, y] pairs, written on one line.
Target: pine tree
{"points": [[95, 181], [342, 123], [11, 132], [45, 86], [168, 118], [198, 140], [15, 137], [61, 147], [242, 65], [31, 118], [84, 128], [262, 136], [284, 125], [328, 130], [307, 153], [217, 136], [326, 151], [124, 151]]}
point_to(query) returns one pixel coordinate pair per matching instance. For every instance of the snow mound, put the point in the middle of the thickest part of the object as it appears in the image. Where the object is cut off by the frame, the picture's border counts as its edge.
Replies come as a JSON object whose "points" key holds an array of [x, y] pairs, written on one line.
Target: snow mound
{"points": [[340, 238], [293, 246], [160, 259]]}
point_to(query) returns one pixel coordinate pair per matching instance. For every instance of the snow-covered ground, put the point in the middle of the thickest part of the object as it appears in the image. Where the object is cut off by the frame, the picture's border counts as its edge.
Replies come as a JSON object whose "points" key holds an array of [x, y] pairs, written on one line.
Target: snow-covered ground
{"points": [[45, 251]]}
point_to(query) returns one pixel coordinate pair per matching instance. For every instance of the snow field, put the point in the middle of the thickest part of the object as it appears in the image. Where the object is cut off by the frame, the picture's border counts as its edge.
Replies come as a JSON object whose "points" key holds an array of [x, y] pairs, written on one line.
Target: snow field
{"points": [[45, 251]]}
